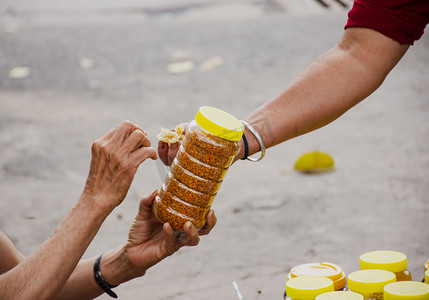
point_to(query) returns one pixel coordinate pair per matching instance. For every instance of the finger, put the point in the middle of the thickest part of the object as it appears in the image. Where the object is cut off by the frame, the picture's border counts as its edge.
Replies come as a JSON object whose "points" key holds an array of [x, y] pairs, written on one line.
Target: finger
{"points": [[146, 202], [134, 141], [172, 151], [163, 152], [211, 222], [123, 130], [169, 231], [111, 132], [170, 238], [141, 154], [190, 237], [116, 136]]}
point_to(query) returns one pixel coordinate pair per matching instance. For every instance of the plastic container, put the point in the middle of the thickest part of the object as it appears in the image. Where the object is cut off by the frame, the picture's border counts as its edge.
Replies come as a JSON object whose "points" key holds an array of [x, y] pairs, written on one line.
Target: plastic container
{"points": [[208, 149], [308, 287], [406, 290], [325, 269], [370, 283], [392, 261], [340, 295]]}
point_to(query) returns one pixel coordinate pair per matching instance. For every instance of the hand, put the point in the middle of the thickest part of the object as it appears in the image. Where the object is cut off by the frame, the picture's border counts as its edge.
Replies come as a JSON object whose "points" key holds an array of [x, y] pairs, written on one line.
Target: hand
{"points": [[166, 151], [150, 241], [115, 159]]}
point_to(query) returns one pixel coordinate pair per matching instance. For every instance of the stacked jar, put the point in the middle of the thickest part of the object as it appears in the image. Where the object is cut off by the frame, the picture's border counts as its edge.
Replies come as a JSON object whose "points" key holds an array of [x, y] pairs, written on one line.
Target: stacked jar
{"points": [[307, 287], [340, 295], [392, 261], [208, 149], [324, 269], [406, 290], [370, 283]]}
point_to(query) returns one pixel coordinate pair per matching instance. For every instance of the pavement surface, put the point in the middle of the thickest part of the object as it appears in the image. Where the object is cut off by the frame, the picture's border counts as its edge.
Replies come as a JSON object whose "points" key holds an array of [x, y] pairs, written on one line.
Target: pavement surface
{"points": [[71, 70]]}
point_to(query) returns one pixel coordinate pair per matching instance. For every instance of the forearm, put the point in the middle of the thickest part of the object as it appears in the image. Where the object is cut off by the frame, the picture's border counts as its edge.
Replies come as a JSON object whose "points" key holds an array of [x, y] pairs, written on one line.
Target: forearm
{"points": [[330, 86], [81, 284], [43, 274], [10, 256], [114, 267]]}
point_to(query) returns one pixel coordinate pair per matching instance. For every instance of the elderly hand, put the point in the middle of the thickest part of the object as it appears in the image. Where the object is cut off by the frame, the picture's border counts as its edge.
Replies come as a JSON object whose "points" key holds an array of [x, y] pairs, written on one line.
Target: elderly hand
{"points": [[150, 241], [115, 159]]}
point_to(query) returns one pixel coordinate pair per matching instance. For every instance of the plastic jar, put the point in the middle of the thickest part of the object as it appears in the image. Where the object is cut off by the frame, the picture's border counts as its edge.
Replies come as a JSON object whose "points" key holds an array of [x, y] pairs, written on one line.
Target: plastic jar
{"points": [[325, 269], [370, 283], [340, 295], [406, 290], [208, 149], [308, 287], [392, 261]]}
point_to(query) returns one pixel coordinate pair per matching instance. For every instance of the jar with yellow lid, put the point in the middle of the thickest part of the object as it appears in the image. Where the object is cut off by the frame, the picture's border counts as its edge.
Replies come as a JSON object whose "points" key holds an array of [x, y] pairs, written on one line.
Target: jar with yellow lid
{"points": [[307, 287], [406, 290], [325, 269], [340, 295], [427, 276], [392, 261], [208, 149], [370, 283]]}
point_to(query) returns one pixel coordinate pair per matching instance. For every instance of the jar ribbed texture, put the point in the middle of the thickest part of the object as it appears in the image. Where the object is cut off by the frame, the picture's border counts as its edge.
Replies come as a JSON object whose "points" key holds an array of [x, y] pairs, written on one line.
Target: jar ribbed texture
{"points": [[194, 178]]}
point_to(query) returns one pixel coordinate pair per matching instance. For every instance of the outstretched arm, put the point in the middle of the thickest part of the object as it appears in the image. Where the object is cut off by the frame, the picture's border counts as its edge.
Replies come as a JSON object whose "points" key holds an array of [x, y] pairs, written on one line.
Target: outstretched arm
{"points": [[149, 242], [327, 88], [115, 159]]}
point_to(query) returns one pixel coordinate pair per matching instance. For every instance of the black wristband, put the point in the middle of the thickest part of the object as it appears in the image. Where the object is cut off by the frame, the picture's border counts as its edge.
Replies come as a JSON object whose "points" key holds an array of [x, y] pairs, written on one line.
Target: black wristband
{"points": [[246, 147], [101, 281]]}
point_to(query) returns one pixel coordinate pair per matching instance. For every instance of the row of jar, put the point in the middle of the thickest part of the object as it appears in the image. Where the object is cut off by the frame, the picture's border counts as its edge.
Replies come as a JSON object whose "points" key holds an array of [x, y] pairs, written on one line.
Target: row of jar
{"points": [[383, 275]]}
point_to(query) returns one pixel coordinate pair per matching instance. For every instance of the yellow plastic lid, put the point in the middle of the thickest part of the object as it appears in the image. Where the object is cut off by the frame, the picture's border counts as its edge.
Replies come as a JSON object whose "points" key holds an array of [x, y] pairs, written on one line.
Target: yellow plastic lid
{"points": [[406, 290], [392, 261], [427, 276], [308, 287], [427, 265], [325, 269], [370, 281], [220, 123], [340, 295]]}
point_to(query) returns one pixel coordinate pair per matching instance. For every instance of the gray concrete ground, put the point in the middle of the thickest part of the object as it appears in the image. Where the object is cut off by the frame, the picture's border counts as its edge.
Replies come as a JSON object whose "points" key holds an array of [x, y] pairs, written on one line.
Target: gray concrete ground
{"points": [[93, 65]]}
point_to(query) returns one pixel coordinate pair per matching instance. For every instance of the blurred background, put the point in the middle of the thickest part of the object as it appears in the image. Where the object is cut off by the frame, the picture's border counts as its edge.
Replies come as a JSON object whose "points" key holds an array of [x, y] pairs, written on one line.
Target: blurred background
{"points": [[71, 70]]}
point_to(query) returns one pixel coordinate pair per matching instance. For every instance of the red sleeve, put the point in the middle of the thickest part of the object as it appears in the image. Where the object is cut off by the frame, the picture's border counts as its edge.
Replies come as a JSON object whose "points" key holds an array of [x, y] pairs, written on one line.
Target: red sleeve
{"points": [[401, 20]]}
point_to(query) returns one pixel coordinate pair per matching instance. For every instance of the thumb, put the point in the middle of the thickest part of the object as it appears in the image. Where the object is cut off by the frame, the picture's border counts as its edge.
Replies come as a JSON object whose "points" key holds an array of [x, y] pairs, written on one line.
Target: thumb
{"points": [[146, 203]]}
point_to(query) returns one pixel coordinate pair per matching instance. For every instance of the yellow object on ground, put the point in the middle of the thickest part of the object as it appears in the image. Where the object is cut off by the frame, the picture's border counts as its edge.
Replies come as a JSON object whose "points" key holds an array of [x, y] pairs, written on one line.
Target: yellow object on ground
{"points": [[315, 162]]}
